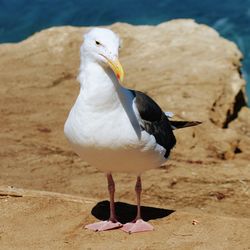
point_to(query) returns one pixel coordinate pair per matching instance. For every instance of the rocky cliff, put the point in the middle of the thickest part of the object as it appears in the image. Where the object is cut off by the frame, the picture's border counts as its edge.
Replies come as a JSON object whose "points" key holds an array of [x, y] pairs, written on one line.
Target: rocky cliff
{"points": [[189, 70]]}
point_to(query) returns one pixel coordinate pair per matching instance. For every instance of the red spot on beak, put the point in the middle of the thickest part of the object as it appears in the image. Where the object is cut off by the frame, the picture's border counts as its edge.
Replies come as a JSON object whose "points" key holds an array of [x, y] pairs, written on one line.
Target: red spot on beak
{"points": [[118, 76]]}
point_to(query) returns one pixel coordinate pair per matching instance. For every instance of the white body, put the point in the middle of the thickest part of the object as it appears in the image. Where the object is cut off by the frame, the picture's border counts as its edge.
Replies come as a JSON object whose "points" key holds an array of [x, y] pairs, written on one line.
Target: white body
{"points": [[103, 126]]}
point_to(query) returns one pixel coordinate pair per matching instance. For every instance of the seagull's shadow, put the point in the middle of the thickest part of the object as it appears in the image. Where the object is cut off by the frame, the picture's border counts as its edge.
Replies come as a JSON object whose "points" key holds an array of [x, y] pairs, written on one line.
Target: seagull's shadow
{"points": [[126, 212]]}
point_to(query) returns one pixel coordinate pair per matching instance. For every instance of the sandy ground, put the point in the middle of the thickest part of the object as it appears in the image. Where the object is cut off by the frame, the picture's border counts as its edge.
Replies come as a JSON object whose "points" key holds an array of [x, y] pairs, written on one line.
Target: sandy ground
{"points": [[35, 220], [215, 194]]}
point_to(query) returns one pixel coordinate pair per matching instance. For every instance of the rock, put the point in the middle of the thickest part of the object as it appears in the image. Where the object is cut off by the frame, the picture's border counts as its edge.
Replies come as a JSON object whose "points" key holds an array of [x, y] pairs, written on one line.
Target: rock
{"points": [[242, 123], [242, 126], [187, 67], [190, 70]]}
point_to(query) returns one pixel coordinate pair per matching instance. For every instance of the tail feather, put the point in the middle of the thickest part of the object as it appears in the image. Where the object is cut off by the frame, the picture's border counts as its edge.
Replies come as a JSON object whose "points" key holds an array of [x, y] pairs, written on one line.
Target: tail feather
{"points": [[183, 124]]}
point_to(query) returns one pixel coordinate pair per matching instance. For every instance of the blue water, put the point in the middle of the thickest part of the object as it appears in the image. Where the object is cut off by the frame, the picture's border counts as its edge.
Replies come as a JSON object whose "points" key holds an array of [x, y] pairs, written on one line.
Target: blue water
{"points": [[21, 18]]}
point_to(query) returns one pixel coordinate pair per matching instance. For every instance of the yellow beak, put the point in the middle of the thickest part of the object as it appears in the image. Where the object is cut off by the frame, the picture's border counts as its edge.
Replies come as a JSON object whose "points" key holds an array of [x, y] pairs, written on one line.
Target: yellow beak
{"points": [[117, 69]]}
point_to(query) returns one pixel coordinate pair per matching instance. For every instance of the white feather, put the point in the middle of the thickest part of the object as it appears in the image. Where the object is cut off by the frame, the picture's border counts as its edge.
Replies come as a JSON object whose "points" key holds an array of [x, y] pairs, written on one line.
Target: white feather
{"points": [[169, 114]]}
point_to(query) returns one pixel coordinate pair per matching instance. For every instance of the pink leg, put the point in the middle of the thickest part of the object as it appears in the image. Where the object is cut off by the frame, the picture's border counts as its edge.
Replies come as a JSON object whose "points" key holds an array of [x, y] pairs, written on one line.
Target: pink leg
{"points": [[112, 222], [138, 225]]}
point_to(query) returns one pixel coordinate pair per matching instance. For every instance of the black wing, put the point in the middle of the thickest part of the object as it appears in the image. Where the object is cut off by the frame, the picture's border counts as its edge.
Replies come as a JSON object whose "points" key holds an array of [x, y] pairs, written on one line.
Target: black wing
{"points": [[154, 121]]}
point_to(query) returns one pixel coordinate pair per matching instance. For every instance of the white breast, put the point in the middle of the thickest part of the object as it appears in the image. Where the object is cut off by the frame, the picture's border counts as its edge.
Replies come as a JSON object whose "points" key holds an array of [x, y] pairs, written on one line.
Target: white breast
{"points": [[94, 125], [112, 139]]}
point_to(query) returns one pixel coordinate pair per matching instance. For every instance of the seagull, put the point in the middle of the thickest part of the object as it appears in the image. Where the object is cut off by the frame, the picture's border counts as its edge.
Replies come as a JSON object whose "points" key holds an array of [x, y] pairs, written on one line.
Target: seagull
{"points": [[114, 128]]}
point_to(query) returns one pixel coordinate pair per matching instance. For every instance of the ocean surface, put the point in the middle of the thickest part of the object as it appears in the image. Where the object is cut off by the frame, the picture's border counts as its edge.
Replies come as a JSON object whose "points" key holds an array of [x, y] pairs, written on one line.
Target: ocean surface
{"points": [[231, 18]]}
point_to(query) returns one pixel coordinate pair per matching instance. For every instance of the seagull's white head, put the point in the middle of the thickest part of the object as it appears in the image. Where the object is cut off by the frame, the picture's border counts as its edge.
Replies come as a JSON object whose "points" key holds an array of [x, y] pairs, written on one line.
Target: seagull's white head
{"points": [[102, 46]]}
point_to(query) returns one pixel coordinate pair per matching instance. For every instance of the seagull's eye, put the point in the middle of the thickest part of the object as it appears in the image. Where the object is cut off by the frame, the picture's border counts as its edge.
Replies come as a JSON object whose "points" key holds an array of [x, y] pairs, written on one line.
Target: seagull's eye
{"points": [[97, 43]]}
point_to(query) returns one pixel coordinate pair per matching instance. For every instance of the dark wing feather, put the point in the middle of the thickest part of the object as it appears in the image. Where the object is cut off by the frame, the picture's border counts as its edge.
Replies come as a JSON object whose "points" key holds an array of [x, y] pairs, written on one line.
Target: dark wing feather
{"points": [[183, 124], [155, 122]]}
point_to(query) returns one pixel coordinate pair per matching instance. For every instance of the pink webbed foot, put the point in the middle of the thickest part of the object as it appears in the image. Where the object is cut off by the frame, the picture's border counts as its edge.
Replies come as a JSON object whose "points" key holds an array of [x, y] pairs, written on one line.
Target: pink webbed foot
{"points": [[137, 226], [103, 225]]}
